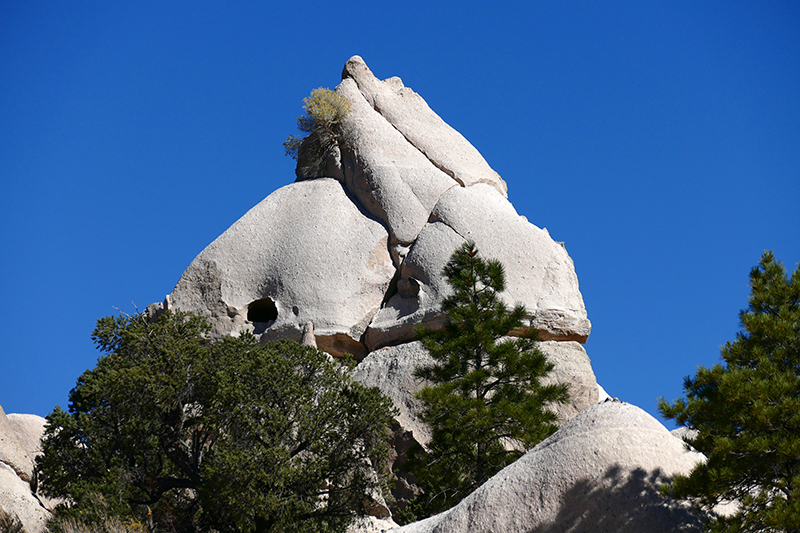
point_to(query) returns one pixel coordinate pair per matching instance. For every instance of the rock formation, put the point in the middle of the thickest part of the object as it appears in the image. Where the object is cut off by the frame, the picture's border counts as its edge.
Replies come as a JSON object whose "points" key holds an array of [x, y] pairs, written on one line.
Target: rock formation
{"points": [[19, 441], [354, 258], [359, 253], [351, 261], [600, 472]]}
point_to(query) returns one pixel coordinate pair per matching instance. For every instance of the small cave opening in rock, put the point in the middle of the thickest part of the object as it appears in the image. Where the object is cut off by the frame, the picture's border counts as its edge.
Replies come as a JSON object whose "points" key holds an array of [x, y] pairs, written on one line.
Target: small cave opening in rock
{"points": [[262, 310]]}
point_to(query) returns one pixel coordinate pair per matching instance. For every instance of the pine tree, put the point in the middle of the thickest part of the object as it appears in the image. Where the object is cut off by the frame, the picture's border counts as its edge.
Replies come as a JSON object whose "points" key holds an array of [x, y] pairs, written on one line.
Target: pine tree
{"points": [[231, 436], [747, 413], [485, 405]]}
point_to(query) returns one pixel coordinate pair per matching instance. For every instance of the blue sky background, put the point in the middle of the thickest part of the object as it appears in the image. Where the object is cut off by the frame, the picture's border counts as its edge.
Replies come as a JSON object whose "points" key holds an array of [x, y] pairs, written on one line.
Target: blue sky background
{"points": [[659, 140]]}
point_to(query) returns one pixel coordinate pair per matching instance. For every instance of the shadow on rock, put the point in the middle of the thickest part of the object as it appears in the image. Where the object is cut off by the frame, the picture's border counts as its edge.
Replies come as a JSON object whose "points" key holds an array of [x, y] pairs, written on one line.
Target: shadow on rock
{"points": [[621, 501]]}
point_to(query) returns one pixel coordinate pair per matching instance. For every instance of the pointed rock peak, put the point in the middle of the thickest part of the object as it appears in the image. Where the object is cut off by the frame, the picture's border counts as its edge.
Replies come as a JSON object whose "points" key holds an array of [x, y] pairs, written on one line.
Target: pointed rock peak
{"points": [[408, 112], [354, 67]]}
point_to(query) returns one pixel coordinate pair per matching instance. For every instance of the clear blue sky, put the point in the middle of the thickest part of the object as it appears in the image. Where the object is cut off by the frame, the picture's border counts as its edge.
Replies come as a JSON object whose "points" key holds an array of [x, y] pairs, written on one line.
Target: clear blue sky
{"points": [[659, 140]]}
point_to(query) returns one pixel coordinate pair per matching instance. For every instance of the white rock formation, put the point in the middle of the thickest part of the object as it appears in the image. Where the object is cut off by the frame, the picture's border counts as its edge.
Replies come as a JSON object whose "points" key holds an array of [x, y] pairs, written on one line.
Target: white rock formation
{"points": [[357, 256], [17, 499], [391, 369], [410, 115], [12, 453], [307, 253], [391, 178], [539, 272], [412, 190], [16, 470], [571, 365], [28, 430], [599, 473]]}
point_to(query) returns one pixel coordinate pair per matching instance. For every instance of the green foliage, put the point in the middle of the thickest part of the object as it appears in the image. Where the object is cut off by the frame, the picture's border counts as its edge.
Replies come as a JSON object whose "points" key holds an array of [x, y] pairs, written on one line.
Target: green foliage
{"points": [[486, 405], [747, 413], [232, 436], [324, 110]]}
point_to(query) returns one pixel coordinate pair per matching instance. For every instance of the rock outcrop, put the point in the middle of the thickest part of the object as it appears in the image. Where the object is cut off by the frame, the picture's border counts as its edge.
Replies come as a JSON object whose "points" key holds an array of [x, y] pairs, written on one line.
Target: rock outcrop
{"points": [[19, 442], [351, 261], [601, 472], [359, 253], [307, 253], [12, 453], [354, 257]]}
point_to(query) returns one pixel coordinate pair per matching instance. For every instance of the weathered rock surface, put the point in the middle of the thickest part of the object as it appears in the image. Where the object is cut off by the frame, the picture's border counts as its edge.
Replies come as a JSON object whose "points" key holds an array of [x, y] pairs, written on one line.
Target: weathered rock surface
{"points": [[539, 272], [306, 253], [371, 524], [411, 116], [391, 178], [18, 438], [29, 430], [16, 499], [412, 189], [599, 473], [572, 366], [391, 369], [355, 259], [12, 453]]}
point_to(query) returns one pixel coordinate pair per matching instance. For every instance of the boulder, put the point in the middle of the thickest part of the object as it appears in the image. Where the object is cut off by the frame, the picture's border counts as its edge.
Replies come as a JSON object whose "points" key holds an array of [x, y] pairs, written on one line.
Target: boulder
{"points": [[306, 253], [12, 453], [539, 272], [411, 116], [16, 499], [371, 524], [571, 366], [29, 430], [18, 438], [600, 472], [391, 369]]}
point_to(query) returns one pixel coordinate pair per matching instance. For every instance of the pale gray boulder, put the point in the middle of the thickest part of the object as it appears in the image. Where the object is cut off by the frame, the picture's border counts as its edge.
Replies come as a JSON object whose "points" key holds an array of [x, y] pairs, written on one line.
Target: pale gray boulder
{"points": [[539, 272], [410, 115], [571, 366], [29, 430], [304, 254], [602, 395], [17, 473], [599, 473], [391, 369], [17, 499], [393, 180], [371, 524], [12, 452]]}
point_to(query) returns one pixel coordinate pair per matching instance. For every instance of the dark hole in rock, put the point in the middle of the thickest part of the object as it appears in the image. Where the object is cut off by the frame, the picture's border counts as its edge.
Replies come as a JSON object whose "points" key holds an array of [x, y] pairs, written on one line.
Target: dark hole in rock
{"points": [[262, 310]]}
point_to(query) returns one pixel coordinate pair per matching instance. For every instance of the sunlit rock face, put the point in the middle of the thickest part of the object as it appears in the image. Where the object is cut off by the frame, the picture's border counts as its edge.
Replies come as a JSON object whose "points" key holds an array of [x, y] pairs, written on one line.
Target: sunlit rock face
{"points": [[359, 253], [19, 440], [600, 472], [356, 255]]}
